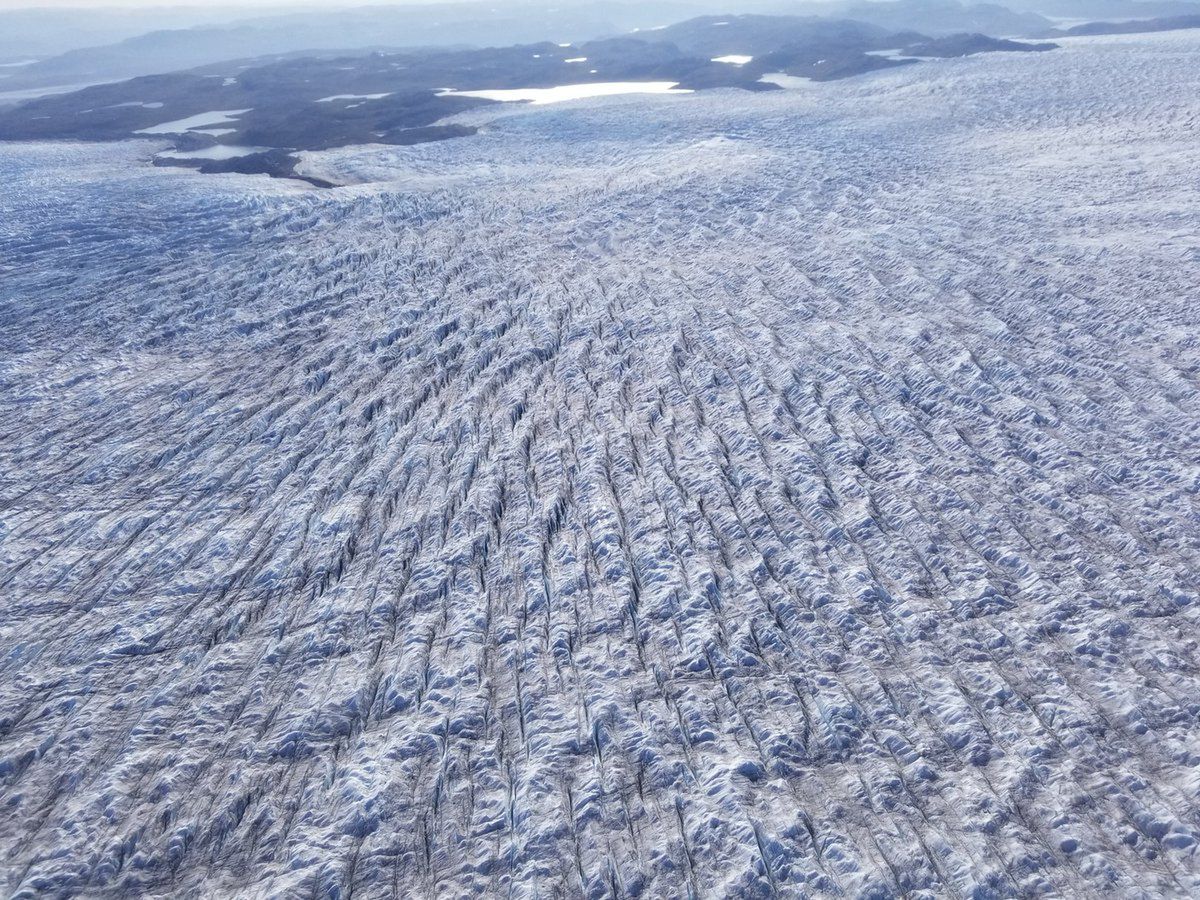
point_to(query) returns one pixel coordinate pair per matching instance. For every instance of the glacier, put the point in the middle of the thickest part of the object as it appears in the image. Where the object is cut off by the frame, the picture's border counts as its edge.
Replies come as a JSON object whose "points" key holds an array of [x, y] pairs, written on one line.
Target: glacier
{"points": [[793, 494]]}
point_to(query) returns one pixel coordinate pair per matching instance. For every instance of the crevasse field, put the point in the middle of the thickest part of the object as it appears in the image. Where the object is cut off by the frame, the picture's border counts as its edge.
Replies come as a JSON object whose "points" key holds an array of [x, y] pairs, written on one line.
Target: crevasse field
{"points": [[719, 495]]}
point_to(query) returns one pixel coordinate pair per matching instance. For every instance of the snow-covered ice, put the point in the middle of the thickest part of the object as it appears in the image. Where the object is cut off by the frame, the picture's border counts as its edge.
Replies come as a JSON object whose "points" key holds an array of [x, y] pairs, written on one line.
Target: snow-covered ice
{"points": [[783, 494]]}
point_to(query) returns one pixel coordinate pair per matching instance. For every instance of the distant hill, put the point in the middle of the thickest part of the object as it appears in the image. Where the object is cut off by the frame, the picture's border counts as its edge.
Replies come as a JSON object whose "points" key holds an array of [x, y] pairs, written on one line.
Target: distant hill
{"points": [[40, 33], [251, 116], [1106, 9], [753, 34], [1173, 23], [481, 24], [942, 17], [969, 44]]}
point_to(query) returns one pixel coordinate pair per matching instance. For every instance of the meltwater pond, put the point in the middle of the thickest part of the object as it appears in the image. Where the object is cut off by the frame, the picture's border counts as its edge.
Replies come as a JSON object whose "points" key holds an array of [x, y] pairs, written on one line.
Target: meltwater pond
{"points": [[565, 92], [218, 152], [200, 120]]}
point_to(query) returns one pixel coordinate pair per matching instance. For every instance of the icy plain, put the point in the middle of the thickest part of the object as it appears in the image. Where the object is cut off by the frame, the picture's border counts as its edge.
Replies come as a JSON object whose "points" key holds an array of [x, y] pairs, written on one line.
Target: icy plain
{"points": [[729, 496]]}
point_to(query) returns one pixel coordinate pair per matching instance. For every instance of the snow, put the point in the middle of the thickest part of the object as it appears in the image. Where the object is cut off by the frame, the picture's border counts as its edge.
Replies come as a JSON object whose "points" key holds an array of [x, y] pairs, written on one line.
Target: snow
{"points": [[202, 120], [777, 494], [733, 59], [354, 97], [565, 92], [898, 53], [787, 81], [576, 59]]}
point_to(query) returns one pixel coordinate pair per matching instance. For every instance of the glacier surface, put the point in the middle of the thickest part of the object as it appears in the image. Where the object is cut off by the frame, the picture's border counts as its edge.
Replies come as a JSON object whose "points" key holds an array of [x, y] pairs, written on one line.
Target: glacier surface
{"points": [[788, 495]]}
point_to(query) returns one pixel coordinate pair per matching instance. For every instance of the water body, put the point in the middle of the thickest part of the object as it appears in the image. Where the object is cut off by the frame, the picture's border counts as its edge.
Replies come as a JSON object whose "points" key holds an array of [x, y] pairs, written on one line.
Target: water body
{"points": [[200, 120], [566, 92], [220, 151]]}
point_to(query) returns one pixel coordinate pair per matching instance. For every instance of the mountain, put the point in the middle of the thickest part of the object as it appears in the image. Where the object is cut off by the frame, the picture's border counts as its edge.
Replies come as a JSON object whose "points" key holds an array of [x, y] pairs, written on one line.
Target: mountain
{"points": [[1106, 9], [402, 98], [941, 17], [476, 24], [1137, 26], [33, 33], [453, 24], [969, 44], [722, 35]]}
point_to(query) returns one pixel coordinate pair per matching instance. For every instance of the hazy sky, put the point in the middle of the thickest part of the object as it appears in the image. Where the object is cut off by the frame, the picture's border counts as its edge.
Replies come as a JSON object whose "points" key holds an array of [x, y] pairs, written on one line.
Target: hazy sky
{"points": [[151, 4]]}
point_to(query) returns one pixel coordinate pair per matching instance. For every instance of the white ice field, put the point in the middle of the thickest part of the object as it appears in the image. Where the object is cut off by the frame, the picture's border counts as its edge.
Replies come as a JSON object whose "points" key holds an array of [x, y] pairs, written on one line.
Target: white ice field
{"points": [[731, 495]]}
